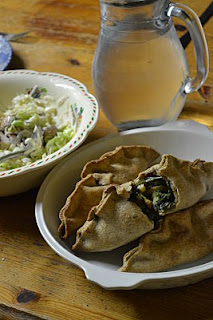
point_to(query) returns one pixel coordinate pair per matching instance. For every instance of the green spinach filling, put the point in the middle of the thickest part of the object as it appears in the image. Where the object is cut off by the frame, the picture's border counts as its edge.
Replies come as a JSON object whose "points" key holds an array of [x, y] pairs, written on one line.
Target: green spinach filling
{"points": [[153, 195]]}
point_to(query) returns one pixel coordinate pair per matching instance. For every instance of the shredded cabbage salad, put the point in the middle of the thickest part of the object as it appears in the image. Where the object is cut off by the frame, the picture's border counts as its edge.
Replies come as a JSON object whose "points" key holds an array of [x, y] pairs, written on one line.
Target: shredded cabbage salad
{"points": [[27, 112]]}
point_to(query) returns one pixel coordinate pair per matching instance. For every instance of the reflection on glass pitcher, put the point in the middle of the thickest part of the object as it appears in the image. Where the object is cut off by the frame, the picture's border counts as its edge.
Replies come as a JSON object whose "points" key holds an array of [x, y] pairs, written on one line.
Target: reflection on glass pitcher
{"points": [[140, 71]]}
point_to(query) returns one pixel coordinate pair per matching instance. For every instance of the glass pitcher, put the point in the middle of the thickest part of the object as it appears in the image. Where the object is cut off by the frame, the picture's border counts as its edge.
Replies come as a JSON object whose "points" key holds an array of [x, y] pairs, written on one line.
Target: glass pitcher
{"points": [[140, 71]]}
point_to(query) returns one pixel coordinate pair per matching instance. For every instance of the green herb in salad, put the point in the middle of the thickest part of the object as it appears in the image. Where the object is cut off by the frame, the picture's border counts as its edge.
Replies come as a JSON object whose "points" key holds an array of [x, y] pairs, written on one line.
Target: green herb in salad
{"points": [[35, 109]]}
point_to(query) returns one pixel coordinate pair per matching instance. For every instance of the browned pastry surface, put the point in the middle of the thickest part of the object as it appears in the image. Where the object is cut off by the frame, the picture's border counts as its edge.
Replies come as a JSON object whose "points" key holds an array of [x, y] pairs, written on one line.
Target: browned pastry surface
{"points": [[117, 220], [113, 223], [182, 237], [116, 166], [189, 180], [74, 213], [123, 164]]}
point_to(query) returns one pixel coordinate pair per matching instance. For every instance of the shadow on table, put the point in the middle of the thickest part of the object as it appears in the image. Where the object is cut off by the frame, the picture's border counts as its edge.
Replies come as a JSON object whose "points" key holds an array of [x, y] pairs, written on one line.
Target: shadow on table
{"points": [[16, 62], [165, 304]]}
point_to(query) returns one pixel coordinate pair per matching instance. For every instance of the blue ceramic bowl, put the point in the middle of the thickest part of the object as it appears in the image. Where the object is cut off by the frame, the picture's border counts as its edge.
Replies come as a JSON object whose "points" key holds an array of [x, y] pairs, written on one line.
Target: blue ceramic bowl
{"points": [[5, 53]]}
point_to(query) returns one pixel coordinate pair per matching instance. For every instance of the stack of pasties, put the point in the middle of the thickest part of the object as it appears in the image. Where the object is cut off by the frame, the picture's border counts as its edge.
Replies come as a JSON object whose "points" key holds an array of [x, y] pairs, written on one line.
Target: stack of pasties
{"points": [[125, 195], [116, 167]]}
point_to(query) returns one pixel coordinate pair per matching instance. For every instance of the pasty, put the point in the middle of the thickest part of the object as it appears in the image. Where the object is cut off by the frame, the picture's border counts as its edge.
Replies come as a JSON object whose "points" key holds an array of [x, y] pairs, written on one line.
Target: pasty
{"points": [[122, 164], [117, 166], [170, 186], [74, 213], [182, 237], [113, 223]]}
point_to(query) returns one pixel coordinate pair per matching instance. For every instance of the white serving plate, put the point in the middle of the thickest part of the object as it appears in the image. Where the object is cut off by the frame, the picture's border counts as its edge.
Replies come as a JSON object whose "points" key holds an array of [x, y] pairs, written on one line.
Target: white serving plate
{"points": [[184, 139]]}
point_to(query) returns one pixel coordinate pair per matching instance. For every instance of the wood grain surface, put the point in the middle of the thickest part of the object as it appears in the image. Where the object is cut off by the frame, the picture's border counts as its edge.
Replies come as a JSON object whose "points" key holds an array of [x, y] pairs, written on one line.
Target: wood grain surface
{"points": [[35, 283]]}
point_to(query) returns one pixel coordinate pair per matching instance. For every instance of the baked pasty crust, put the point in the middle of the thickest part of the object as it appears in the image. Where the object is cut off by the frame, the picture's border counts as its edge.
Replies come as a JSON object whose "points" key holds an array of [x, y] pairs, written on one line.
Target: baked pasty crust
{"points": [[114, 167], [189, 180], [113, 223], [123, 164], [182, 237], [75, 211]]}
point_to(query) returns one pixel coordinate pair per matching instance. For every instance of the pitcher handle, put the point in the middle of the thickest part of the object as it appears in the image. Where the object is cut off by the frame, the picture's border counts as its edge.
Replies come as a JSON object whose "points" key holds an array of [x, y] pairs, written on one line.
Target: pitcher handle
{"points": [[199, 42]]}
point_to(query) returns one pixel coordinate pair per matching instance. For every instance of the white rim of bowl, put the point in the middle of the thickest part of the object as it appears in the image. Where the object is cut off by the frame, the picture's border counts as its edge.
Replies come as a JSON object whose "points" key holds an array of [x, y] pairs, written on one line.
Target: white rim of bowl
{"points": [[78, 138]]}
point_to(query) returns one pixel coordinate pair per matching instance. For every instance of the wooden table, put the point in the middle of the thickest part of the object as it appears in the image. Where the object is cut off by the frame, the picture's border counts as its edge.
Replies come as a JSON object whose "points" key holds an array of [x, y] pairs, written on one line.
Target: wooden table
{"points": [[35, 283]]}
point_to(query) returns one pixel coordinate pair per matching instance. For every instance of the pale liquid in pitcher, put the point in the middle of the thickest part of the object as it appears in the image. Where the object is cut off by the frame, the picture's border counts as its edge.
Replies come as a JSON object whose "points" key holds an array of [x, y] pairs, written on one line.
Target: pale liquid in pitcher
{"points": [[140, 82]]}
